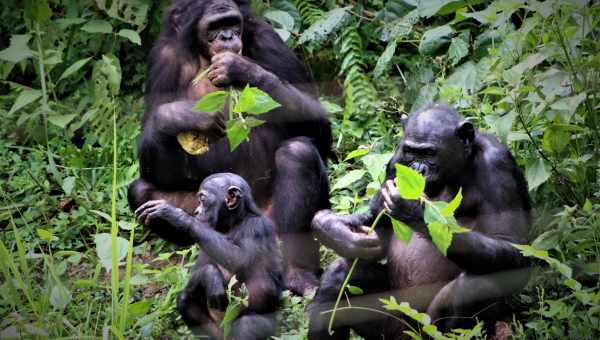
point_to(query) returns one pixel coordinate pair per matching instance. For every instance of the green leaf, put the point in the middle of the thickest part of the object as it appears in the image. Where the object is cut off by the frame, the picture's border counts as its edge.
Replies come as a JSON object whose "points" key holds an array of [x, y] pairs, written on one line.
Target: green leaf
{"points": [[356, 153], [231, 313], [349, 178], [433, 212], [375, 163], [435, 38], [61, 120], [285, 20], [536, 173], [64, 23], [410, 183], [458, 50], [46, 235], [355, 290], [68, 184], [324, 26], [453, 205], [104, 249], [26, 97], [132, 35], [97, 26], [246, 102], [18, 49], [587, 206], [440, 236], [60, 296], [556, 138], [428, 8], [262, 102], [402, 231], [37, 10], [74, 68], [212, 102], [112, 69], [384, 59], [139, 308], [236, 132], [330, 107]]}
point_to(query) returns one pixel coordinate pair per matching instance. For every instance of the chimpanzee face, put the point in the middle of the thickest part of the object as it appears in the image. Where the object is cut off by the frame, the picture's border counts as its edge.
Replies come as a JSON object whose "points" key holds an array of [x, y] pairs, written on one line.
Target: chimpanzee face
{"points": [[220, 28], [219, 198], [436, 145]]}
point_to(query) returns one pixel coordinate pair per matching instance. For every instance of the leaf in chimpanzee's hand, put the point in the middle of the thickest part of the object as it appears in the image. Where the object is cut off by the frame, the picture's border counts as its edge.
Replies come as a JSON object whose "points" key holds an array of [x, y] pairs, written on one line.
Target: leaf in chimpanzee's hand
{"points": [[453, 205], [247, 100], [262, 101], [410, 183], [237, 132], [440, 236], [211, 102], [402, 231]]}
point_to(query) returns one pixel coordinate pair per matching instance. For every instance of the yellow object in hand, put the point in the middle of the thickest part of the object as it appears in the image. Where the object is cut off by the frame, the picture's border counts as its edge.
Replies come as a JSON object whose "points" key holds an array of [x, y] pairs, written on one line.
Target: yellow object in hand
{"points": [[193, 142]]}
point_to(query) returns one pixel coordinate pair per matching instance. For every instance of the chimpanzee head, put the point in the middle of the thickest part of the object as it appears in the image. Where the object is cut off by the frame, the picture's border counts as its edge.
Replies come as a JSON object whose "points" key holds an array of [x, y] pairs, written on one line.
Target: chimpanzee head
{"points": [[437, 143], [225, 199], [208, 27]]}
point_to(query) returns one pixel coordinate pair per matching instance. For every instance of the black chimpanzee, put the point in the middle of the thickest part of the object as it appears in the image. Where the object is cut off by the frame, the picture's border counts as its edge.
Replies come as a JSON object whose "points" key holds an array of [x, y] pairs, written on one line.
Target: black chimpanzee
{"points": [[234, 239], [481, 268], [283, 159]]}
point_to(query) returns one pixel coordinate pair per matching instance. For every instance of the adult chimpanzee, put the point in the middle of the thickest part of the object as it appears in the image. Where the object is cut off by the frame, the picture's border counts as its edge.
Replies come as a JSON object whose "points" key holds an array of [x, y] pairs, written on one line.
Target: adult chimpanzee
{"points": [[234, 239], [481, 268], [283, 159]]}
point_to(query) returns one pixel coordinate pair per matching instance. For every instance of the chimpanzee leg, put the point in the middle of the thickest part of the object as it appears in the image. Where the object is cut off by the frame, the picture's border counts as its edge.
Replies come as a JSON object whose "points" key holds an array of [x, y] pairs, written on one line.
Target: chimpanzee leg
{"points": [[254, 327], [300, 189], [372, 278], [476, 297], [206, 285], [141, 191]]}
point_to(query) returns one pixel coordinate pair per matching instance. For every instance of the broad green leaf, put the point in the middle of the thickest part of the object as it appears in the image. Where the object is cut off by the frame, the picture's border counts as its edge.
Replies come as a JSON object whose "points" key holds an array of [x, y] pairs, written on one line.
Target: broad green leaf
{"points": [[285, 20], [349, 178], [263, 102], [252, 122], [356, 153], [435, 38], [355, 290], [453, 205], [384, 59], [237, 132], [60, 296], [37, 10], [231, 313], [68, 184], [521, 68], [406, 309], [97, 26], [432, 212], [330, 107], [465, 77], [26, 97], [375, 163], [587, 206], [283, 34], [568, 105], [64, 23], [104, 249], [46, 235], [212, 102], [410, 183], [402, 231], [111, 68], [246, 101], [319, 30], [555, 139], [428, 8], [536, 173], [132, 35], [61, 120], [18, 49], [458, 50], [440, 236], [139, 308], [74, 68]]}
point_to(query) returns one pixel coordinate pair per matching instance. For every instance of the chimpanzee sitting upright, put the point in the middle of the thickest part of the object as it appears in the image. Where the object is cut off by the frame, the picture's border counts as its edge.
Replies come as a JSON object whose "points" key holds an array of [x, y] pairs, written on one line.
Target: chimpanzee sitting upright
{"points": [[234, 239], [481, 267], [283, 158]]}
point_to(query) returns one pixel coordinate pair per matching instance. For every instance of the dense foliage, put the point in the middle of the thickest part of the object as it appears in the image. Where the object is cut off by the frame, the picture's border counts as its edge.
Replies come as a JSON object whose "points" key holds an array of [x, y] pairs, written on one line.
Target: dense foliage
{"points": [[74, 263]]}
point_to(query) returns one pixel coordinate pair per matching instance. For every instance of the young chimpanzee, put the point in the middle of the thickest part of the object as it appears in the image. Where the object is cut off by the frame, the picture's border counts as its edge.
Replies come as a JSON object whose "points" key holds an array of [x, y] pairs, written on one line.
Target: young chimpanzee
{"points": [[481, 269], [234, 239]]}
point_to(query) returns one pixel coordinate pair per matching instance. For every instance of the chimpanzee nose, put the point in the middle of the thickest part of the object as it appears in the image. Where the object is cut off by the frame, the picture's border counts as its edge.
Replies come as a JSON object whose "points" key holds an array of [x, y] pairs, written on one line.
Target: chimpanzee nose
{"points": [[420, 167], [226, 35]]}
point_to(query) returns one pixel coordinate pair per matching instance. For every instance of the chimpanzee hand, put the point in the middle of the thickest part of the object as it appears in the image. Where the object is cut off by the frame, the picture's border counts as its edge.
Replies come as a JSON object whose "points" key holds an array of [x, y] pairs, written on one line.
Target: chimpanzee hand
{"points": [[152, 210], [345, 237], [228, 68], [407, 211]]}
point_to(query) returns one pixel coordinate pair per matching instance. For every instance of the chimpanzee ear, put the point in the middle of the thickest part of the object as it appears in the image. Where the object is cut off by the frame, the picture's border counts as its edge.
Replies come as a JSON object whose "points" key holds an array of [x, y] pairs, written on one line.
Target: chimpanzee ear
{"points": [[233, 197], [465, 131]]}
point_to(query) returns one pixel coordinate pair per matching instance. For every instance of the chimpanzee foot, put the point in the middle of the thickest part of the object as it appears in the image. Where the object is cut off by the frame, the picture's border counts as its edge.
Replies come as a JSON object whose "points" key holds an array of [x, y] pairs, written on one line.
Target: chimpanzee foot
{"points": [[301, 281]]}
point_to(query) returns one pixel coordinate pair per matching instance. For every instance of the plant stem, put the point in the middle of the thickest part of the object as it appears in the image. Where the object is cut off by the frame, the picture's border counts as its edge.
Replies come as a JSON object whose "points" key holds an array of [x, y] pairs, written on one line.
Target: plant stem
{"points": [[348, 276], [114, 274], [42, 70]]}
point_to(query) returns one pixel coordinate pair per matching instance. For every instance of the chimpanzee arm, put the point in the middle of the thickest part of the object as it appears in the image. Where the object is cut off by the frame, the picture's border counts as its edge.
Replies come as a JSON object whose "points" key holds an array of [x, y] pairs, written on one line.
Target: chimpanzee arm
{"points": [[179, 116], [489, 249]]}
